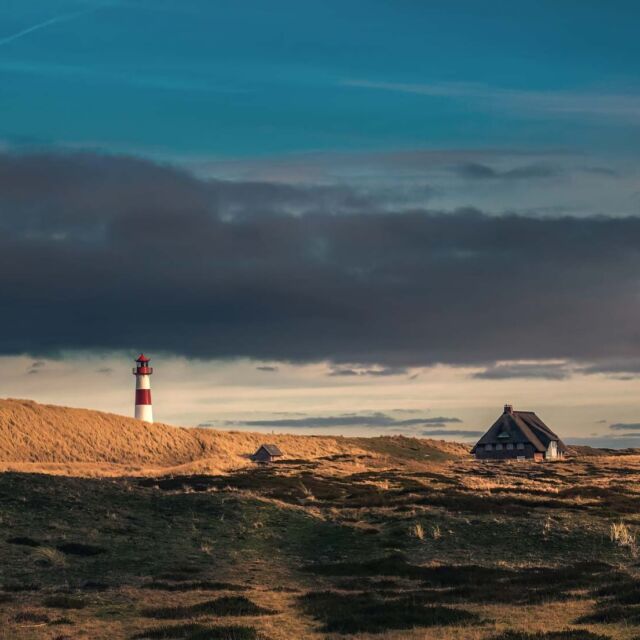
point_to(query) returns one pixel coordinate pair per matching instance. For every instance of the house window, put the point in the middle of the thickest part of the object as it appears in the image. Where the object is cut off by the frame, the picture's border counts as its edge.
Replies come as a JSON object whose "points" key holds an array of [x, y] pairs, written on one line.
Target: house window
{"points": [[510, 446], [520, 445], [487, 447], [498, 447]]}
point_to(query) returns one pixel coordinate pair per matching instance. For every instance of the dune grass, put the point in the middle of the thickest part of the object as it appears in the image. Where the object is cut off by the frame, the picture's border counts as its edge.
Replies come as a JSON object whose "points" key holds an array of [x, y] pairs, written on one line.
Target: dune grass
{"points": [[350, 538]]}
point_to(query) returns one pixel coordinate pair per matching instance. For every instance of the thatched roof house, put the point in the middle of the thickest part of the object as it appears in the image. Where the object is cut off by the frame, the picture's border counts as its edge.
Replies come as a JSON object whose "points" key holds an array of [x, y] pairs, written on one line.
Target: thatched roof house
{"points": [[267, 453], [519, 435]]}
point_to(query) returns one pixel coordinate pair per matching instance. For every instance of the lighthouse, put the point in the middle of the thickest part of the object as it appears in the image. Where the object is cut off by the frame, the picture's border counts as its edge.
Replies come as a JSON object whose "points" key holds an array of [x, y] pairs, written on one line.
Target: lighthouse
{"points": [[143, 389]]}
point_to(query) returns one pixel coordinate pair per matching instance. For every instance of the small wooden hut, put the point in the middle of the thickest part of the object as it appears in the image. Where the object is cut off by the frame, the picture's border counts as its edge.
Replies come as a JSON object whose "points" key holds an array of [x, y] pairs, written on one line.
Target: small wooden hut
{"points": [[267, 453]]}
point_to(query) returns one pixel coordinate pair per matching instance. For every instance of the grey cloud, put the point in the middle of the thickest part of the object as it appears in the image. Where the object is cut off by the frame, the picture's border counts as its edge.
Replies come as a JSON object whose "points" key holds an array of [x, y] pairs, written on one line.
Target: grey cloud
{"points": [[607, 442], [376, 419], [267, 369], [289, 413], [520, 370], [223, 270], [456, 433], [602, 171], [379, 372], [36, 367], [619, 370], [479, 171], [625, 426]]}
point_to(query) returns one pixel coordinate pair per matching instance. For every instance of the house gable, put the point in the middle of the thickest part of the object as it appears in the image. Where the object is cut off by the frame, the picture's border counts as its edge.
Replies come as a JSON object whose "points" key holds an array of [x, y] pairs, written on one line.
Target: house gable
{"points": [[519, 430]]}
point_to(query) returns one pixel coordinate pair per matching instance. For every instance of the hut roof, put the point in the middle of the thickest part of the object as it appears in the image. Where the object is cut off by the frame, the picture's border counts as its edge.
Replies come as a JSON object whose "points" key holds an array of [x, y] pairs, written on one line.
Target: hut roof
{"points": [[271, 449], [520, 427]]}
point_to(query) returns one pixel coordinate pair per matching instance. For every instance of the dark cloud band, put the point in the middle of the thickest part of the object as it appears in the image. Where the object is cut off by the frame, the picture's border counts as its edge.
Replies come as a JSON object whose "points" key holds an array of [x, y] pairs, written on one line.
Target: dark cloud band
{"points": [[376, 419], [100, 252]]}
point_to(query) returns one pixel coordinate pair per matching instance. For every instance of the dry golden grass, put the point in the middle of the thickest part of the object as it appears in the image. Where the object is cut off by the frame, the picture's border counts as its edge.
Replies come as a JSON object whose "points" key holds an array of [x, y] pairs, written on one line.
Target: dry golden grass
{"points": [[65, 441], [62, 440]]}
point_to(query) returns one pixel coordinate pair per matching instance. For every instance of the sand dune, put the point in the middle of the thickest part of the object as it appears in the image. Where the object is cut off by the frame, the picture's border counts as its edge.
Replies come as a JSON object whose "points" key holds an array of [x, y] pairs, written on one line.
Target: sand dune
{"points": [[53, 439]]}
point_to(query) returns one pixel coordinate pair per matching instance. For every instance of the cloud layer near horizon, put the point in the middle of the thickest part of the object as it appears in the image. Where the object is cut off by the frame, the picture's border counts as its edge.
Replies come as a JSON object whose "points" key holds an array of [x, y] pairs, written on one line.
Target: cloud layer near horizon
{"points": [[375, 419], [113, 252]]}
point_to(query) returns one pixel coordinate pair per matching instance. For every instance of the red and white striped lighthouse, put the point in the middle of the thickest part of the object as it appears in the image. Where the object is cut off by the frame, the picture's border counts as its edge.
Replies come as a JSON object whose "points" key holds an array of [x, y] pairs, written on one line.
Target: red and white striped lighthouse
{"points": [[143, 389]]}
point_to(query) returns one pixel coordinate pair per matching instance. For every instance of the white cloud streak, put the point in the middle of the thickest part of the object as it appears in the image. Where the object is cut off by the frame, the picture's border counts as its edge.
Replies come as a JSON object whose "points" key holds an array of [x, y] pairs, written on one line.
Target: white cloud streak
{"points": [[621, 106], [65, 17]]}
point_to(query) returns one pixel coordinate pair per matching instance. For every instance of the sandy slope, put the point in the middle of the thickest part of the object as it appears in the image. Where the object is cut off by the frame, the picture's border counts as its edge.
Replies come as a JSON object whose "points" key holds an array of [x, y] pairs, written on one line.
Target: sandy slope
{"points": [[36, 437]]}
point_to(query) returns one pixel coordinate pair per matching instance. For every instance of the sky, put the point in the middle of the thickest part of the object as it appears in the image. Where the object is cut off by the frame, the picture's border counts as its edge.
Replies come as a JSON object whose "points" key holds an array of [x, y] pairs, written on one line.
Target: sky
{"points": [[380, 217]]}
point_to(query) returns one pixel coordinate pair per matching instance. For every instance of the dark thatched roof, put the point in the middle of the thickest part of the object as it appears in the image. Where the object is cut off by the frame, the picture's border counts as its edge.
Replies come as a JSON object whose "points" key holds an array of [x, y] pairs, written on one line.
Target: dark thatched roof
{"points": [[520, 427]]}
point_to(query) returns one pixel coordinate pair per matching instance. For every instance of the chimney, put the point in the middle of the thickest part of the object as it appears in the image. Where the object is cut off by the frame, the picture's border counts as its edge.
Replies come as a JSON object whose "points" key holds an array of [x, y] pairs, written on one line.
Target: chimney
{"points": [[508, 408]]}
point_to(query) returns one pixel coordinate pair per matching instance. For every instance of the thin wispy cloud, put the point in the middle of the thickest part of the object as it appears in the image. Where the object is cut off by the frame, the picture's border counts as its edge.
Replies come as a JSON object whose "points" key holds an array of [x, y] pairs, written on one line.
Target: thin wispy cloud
{"points": [[625, 426], [620, 106], [65, 17], [376, 419], [375, 372], [36, 367], [511, 370]]}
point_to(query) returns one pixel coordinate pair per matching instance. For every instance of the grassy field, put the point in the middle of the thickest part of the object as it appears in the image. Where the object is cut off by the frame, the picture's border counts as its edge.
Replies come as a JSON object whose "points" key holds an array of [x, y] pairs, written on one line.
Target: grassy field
{"points": [[398, 541]]}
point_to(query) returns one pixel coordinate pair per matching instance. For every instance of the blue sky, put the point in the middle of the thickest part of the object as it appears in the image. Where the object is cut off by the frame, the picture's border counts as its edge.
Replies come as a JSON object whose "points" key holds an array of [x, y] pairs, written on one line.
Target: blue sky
{"points": [[229, 79], [326, 209]]}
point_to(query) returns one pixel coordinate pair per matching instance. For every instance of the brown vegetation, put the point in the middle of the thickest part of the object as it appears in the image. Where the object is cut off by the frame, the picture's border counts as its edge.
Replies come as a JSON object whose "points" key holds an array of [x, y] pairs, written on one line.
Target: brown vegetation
{"points": [[375, 539]]}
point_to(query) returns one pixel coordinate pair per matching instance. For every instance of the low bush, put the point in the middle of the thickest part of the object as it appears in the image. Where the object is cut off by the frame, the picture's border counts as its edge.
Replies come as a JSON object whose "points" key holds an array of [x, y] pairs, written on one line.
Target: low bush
{"points": [[567, 634], [199, 585], [61, 621], [15, 587], [225, 606], [32, 617], [368, 613], [23, 541], [64, 602], [609, 614], [469, 583], [198, 632], [80, 549], [625, 592]]}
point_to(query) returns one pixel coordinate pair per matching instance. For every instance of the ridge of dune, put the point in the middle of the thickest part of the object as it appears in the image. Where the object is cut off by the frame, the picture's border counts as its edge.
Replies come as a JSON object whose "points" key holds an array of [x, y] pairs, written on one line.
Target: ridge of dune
{"points": [[56, 439]]}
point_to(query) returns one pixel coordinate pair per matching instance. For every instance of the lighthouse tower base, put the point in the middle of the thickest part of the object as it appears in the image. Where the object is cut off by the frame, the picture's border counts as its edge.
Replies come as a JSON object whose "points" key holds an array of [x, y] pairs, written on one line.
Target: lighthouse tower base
{"points": [[144, 412]]}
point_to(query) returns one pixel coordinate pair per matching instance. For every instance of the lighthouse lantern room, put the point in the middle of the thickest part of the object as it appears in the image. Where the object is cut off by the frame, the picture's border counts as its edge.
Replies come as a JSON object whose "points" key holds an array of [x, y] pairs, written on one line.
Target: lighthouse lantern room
{"points": [[142, 372]]}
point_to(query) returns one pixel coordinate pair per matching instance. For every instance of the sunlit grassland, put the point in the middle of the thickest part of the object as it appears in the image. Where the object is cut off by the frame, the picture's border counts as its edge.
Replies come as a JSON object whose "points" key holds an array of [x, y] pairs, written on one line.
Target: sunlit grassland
{"points": [[327, 548]]}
